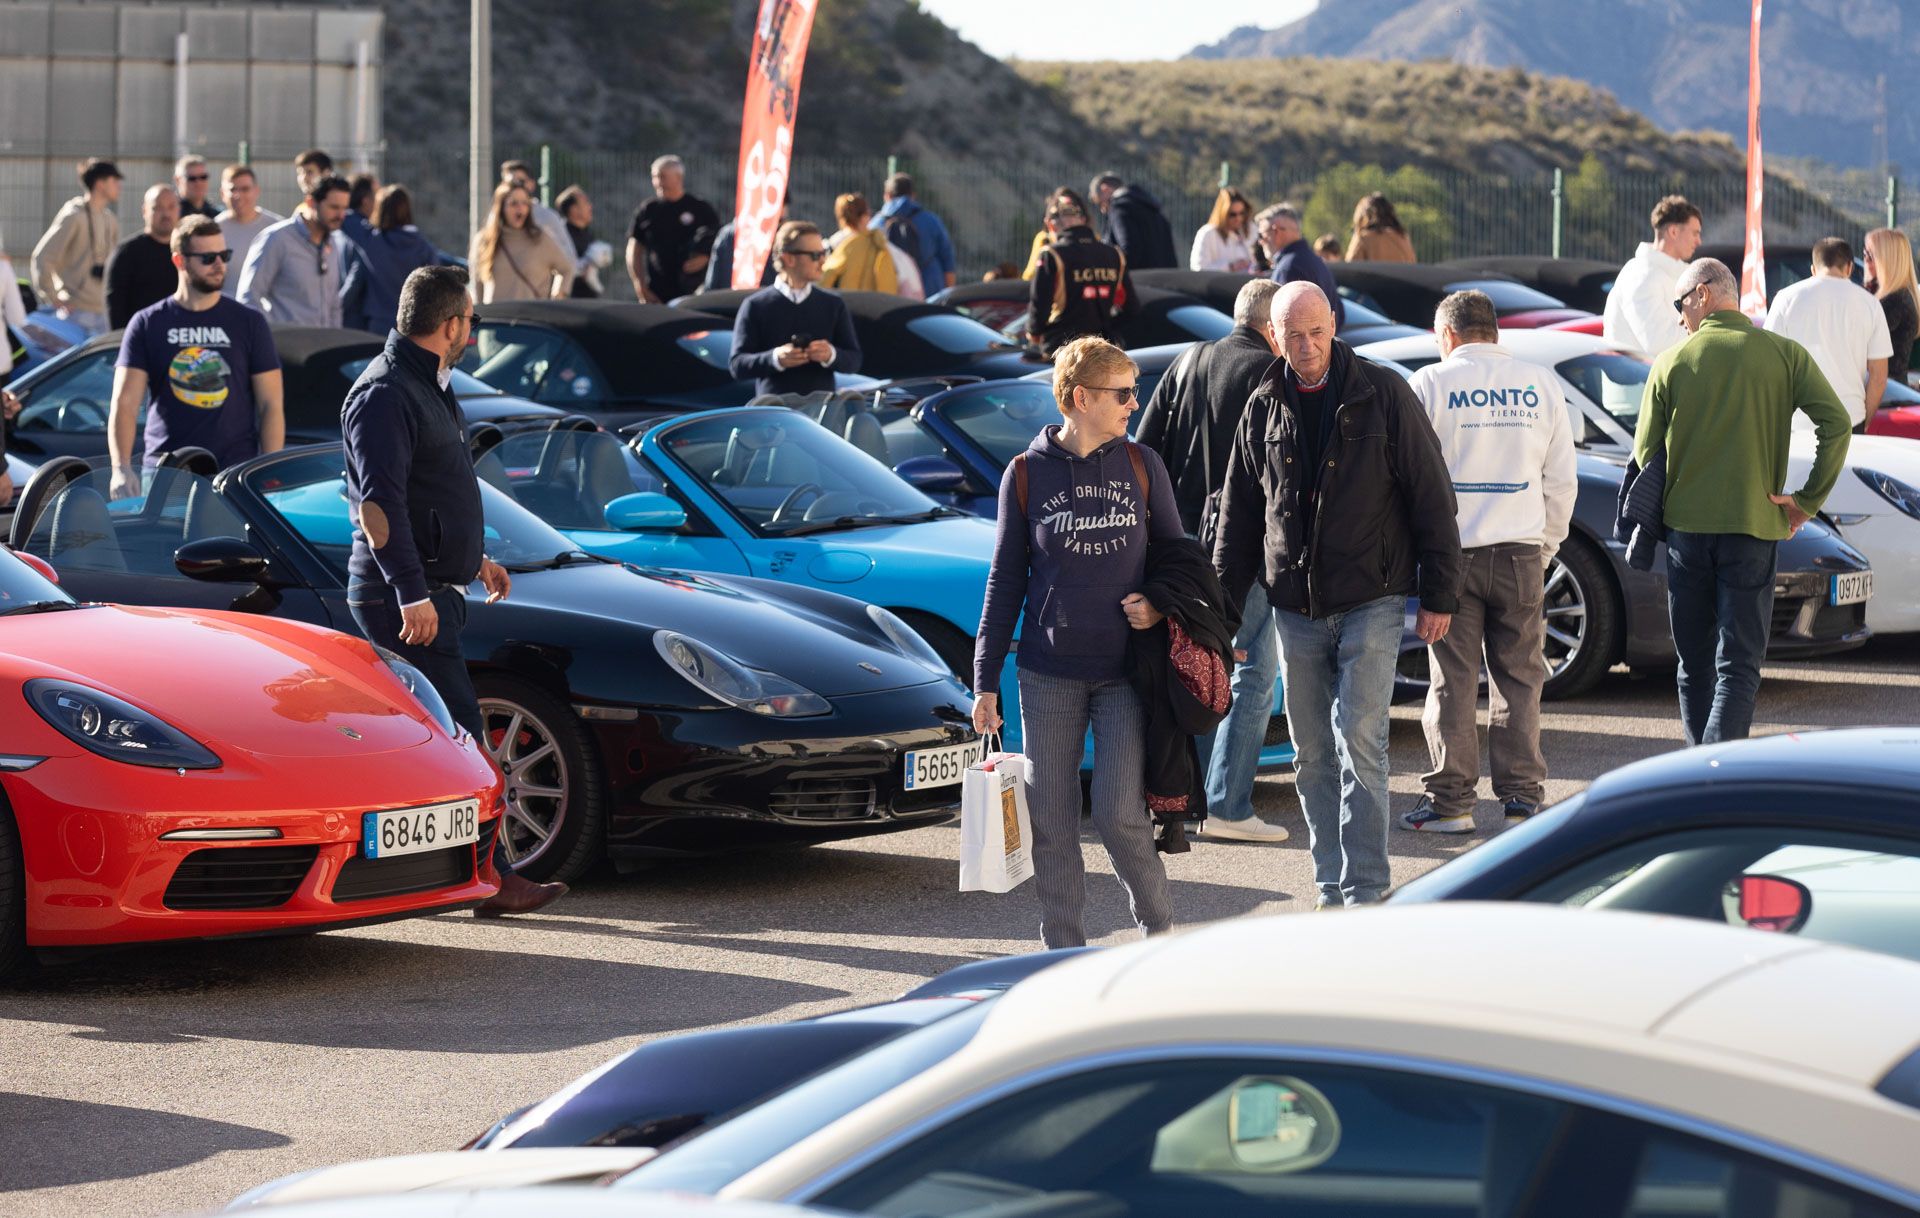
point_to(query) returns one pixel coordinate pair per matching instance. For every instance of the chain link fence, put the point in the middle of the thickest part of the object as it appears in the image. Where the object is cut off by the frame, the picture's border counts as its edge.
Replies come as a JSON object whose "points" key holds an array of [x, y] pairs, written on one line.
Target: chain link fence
{"points": [[993, 208]]}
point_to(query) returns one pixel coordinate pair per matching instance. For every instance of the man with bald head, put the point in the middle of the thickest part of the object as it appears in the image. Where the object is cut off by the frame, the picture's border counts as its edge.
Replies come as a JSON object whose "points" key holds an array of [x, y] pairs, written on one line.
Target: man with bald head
{"points": [[1720, 408], [140, 271], [1338, 502]]}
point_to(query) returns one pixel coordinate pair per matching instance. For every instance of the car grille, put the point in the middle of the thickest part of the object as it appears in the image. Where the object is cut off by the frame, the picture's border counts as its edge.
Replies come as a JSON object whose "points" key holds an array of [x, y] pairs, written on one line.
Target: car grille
{"points": [[239, 877], [1835, 620], [1784, 611], [1276, 732], [365, 879], [926, 799], [823, 799]]}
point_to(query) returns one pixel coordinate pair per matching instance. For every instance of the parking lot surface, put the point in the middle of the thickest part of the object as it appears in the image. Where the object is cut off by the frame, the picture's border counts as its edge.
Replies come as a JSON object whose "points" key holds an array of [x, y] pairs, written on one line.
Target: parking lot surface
{"points": [[169, 1079]]}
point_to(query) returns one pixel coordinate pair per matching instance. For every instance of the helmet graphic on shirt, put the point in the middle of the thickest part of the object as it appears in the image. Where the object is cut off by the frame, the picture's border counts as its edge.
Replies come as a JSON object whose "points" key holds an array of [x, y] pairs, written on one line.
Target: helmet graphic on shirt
{"points": [[198, 376]]}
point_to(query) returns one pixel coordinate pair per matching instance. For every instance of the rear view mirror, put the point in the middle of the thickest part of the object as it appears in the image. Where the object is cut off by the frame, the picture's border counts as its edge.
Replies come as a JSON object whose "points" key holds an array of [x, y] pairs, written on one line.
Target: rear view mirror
{"points": [[645, 511], [1280, 1125], [1772, 904], [221, 560], [932, 475]]}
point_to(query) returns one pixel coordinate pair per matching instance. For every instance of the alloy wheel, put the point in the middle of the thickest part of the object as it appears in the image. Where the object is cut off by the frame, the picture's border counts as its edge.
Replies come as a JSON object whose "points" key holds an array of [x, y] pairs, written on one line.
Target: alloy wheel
{"points": [[535, 769], [1565, 608]]}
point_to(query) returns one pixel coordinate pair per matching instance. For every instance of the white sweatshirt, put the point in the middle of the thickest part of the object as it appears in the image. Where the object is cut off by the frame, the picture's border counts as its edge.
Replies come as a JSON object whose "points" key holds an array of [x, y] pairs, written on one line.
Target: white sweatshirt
{"points": [[1507, 438], [1639, 313]]}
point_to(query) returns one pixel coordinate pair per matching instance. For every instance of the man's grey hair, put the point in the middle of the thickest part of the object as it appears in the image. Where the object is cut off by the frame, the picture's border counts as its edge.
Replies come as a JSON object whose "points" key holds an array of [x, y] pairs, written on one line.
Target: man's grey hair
{"points": [[1714, 275], [187, 162], [1278, 211], [1299, 291], [1254, 303], [1469, 315], [430, 298], [663, 163]]}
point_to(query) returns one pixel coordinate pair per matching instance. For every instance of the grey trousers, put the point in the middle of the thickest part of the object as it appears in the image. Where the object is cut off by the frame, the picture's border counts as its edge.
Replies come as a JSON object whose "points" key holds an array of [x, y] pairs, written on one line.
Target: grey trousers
{"points": [[1055, 713], [1499, 620]]}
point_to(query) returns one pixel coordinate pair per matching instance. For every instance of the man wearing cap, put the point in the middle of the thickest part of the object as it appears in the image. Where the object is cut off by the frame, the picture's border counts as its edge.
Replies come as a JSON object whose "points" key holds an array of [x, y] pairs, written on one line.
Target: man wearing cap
{"points": [[70, 262]]}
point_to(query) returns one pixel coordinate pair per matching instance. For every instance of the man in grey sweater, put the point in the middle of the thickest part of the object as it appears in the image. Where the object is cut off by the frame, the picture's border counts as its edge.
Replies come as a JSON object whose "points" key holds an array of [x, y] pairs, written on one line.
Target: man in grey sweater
{"points": [[293, 270]]}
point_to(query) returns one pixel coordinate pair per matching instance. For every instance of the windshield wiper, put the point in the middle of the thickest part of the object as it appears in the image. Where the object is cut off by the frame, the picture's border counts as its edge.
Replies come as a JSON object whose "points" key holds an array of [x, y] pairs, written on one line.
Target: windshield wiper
{"points": [[39, 607], [802, 528], [565, 558]]}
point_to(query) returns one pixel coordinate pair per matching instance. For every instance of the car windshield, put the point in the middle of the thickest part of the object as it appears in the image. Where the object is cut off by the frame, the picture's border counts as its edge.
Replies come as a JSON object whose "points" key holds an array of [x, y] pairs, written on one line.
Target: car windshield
{"points": [[309, 491], [711, 347], [782, 473], [22, 587], [1360, 315], [955, 334], [1201, 321], [1614, 380], [710, 1162], [463, 384], [1003, 417], [1508, 297]]}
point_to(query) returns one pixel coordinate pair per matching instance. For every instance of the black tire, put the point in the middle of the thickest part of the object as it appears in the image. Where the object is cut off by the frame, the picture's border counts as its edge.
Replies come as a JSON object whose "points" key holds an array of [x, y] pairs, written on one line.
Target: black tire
{"points": [[576, 822], [1588, 582], [954, 645], [13, 895]]}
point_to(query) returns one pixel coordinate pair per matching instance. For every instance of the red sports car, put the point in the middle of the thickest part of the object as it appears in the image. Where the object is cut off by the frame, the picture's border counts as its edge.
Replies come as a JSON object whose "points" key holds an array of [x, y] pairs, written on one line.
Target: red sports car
{"points": [[168, 774]]}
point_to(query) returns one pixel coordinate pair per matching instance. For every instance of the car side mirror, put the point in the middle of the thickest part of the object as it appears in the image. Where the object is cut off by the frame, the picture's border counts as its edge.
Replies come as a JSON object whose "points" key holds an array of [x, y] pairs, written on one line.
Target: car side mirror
{"points": [[932, 475], [221, 560], [1770, 903], [645, 511]]}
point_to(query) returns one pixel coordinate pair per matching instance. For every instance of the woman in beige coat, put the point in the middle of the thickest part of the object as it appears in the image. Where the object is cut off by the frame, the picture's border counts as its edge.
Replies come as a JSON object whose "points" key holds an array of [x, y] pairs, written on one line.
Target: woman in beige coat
{"points": [[1377, 233], [512, 258]]}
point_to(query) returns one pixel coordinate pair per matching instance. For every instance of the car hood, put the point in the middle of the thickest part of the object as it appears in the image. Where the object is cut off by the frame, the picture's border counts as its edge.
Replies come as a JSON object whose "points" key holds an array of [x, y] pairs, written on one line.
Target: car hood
{"points": [[615, 608], [232, 681], [1893, 456], [447, 1171]]}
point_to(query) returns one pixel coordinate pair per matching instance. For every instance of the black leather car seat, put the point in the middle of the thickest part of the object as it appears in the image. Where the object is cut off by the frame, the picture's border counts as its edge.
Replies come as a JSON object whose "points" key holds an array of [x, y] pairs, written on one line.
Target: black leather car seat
{"points": [[82, 532]]}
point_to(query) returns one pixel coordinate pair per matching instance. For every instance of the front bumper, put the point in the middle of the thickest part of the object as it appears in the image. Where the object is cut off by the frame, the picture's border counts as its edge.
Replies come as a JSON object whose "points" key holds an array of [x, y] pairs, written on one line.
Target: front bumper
{"points": [[711, 780]]}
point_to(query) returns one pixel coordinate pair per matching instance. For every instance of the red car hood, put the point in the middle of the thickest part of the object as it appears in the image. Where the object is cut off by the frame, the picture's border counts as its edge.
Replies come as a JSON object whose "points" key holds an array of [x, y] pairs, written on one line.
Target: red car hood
{"points": [[1902, 421], [1539, 319], [231, 681]]}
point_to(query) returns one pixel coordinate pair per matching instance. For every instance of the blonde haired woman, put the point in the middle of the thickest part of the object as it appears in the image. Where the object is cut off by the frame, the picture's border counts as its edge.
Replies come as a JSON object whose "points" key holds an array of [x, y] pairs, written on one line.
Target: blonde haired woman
{"points": [[1225, 241], [1378, 235], [512, 258], [1890, 277]]}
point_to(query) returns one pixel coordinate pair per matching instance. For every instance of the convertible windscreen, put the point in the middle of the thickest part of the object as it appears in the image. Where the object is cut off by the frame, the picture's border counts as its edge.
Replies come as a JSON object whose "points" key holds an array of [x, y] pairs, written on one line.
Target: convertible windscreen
{"points": [[1614, 379], [1004, 418]]}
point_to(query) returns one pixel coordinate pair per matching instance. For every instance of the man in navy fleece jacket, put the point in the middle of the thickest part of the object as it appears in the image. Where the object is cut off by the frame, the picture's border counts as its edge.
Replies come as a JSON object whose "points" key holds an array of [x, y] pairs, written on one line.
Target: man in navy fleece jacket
{"points": [[792, 337]]}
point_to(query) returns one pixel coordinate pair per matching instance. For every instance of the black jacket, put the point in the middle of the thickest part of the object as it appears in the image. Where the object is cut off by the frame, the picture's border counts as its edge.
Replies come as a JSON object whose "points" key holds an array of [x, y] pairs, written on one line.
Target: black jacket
{"points": [[1136, 224], [410, 475], [1641, 520], [1080, 287], [1383, 522], [1181, 584], [1195, 413]]}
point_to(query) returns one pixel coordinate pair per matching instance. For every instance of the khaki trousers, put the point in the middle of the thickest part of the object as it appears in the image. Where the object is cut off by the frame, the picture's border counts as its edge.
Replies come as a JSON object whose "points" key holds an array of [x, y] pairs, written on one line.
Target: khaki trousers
{"points": [[1500, 623]]}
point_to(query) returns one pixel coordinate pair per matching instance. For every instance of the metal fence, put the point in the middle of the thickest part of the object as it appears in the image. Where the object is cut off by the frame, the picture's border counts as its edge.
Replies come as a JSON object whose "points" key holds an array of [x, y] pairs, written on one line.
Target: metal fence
{"points": [[993, 208]]}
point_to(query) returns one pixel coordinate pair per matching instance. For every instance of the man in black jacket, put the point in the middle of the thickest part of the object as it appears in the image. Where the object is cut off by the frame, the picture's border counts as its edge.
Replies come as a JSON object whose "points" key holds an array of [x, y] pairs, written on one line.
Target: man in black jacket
{"points": [[1338, 501], [418, 522], [1080, 284], [1191, 421], [1135, 222]]}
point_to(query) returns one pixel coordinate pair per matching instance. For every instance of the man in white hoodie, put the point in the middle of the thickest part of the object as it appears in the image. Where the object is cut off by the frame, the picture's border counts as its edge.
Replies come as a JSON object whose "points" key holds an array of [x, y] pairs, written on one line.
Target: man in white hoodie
{"points": [[1508, 443], [1640, 312]]}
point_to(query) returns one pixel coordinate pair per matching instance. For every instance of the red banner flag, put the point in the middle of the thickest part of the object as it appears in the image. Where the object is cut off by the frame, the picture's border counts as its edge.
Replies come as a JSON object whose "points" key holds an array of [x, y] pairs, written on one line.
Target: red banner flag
{"points": [[766, 131], [1753, 268]]}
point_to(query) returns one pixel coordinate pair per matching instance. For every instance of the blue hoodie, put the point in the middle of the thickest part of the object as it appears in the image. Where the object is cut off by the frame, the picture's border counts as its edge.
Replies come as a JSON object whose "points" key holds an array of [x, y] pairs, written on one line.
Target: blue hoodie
{"points": [[1083, 549]]}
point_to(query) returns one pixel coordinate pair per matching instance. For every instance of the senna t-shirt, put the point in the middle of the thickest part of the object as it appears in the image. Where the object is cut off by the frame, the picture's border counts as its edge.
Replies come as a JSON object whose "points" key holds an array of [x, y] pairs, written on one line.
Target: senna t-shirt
{"points": [[200, 366]]}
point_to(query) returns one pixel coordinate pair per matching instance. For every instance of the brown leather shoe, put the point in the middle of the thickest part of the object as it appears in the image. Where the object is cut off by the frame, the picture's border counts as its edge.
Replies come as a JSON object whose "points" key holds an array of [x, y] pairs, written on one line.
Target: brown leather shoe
{"points": [[519, 895]]}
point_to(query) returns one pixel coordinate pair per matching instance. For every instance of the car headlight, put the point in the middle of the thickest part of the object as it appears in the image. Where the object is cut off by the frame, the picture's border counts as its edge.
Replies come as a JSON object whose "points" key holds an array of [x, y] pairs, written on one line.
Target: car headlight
{"points": [[103, 724], [907, 641], [732, 682], [1894, 491], [422, 690]]}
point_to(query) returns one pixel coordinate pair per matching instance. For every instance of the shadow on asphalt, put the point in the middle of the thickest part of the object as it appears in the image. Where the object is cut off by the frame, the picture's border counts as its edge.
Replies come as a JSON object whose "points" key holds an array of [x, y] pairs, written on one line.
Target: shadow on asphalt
{"points": [[363, 993], [125, 1142]]}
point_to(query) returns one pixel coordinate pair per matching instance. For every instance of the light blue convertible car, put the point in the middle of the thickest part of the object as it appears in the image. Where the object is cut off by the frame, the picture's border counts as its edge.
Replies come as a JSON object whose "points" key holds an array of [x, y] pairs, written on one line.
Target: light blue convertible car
{"points": [[768, 491]]}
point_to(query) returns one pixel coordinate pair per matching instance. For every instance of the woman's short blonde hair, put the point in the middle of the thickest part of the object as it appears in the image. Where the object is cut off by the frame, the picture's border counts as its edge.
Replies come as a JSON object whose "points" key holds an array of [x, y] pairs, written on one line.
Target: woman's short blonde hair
{"points": [[850, 209], [1085, 361]]}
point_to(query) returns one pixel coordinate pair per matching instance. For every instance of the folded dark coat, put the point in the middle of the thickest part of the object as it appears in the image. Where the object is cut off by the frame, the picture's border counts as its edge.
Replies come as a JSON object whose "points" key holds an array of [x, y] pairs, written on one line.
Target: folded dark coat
{"points": [[1182, 585], [1641, 521]]}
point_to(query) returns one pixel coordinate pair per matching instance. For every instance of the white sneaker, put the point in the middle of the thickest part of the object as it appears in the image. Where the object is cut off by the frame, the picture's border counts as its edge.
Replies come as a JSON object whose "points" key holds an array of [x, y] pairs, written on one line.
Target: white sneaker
{"points": [[1252, 829]]}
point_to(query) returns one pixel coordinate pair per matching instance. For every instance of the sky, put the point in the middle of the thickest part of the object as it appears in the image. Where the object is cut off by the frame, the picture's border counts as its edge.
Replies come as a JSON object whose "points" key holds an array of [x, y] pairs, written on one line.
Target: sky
{"points": [[1115, 29]]}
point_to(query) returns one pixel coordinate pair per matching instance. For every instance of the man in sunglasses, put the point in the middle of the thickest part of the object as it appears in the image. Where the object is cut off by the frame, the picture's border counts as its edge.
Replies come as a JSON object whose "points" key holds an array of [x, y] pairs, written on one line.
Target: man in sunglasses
{"points": [[193, 181], [1080, 284], [204, 365], [793, 336]]}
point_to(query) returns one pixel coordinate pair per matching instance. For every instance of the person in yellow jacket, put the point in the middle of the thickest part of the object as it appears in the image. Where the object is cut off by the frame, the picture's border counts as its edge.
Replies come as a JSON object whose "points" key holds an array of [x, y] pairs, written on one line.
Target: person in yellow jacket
{"points": [[860, 260]]}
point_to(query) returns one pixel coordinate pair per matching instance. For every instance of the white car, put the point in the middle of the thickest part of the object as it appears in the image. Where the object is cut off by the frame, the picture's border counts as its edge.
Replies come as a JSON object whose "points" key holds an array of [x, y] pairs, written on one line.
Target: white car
{"points": [[1470, 1059], [1875, 503]]}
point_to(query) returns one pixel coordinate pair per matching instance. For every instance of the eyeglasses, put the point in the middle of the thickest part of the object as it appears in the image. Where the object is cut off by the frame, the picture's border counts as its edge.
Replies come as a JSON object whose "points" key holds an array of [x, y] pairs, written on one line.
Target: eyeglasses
{"points": [[1122, 393], [196, 177], [816, 255], [1680, 305], [210, 259], [473, 319], [1236, 213]]}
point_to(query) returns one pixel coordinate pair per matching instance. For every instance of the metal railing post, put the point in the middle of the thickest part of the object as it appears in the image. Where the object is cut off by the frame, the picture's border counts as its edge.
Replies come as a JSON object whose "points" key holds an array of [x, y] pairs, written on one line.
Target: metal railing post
{"points": [[1893, 201], [546, 175], [1559, 209], [1226, 174], [893, 164], [245, 147]]}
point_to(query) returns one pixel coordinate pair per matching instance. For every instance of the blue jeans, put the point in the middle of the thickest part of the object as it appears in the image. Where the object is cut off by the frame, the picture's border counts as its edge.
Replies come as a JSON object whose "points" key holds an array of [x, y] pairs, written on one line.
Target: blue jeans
{"points": [[1338, 673], [1720, 599], [376, 610], [1233, 749]]}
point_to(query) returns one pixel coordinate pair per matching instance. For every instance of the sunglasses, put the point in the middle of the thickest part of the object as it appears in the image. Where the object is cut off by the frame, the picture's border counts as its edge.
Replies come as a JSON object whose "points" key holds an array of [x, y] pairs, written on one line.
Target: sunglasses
{"points": [[1123, 394], [816, 255], [1236, 213], [210, 259], [1680, 305]]}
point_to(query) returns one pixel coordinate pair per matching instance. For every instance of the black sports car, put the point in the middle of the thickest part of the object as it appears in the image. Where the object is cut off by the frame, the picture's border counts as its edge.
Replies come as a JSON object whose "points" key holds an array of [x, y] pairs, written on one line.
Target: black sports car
{"points": [[1159, 316], [1221, 288], [636, 712], [617, 363], [65, 402], [1408, 292], [1582, 283], [903, 338]]}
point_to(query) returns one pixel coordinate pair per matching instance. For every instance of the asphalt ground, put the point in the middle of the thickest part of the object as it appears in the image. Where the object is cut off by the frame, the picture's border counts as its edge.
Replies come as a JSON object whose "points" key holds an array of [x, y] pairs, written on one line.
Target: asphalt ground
{"points": [[170, 1079]]}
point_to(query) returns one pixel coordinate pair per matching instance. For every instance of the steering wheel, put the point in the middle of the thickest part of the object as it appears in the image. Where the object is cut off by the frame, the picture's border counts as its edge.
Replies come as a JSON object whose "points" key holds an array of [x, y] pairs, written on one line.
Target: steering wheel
{"points": [[792, 500], [87, 415]]}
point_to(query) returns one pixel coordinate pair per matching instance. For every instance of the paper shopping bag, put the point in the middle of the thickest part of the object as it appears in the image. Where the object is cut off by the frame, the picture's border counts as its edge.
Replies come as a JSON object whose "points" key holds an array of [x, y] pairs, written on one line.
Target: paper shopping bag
{"points": [[996, 835]]}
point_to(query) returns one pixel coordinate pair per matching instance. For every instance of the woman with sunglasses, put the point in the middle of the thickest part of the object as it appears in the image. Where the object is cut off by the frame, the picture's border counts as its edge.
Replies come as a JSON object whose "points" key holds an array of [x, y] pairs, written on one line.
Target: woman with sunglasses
{"points": [[1076, 512], [1225, 241], [203, 363]]}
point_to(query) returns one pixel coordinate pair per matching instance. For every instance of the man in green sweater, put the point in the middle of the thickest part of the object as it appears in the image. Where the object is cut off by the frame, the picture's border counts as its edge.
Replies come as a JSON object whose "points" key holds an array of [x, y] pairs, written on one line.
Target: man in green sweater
{"points": [[1720, 407]]}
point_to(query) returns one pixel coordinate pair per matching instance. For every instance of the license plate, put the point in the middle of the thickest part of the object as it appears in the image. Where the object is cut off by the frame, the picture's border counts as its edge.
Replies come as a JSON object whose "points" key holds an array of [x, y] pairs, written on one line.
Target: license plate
{"points": [[1851, 589], [942, 767], [414, 830]]}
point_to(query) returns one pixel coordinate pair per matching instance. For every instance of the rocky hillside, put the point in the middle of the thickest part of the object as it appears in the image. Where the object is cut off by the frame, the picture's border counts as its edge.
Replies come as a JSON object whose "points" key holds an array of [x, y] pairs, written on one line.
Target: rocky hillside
{"points": [[1680, 62]]}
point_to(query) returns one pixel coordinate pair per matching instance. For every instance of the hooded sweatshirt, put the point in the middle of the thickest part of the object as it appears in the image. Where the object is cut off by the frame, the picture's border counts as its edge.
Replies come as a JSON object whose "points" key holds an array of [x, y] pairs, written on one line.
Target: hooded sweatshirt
{"points": [[1078, 549]]}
